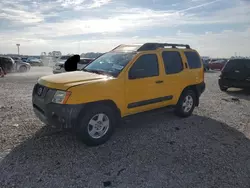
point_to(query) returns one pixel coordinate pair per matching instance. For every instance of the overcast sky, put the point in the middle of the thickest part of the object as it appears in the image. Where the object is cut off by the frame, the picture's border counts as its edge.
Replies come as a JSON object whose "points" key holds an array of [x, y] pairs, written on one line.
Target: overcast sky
{"points": [[213, 27]]}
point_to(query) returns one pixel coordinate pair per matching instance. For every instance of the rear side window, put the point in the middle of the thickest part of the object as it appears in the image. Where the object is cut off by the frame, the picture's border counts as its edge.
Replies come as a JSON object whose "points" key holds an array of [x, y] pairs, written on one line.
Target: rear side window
{"points": [[193, 59], [172, 62]]}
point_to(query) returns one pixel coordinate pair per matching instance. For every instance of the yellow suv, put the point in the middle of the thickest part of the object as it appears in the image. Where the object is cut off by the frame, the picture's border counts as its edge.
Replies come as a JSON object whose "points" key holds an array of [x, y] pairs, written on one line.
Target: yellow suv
{"points": [[127, 80]]}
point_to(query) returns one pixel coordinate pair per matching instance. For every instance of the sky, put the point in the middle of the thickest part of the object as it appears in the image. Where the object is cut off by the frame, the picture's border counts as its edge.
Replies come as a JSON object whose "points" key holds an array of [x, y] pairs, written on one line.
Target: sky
{"points": [[216, 28]]}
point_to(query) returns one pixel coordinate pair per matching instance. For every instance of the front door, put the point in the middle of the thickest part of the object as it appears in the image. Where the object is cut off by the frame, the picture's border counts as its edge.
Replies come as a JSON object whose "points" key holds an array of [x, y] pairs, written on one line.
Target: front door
{"points": [[144, 84]]}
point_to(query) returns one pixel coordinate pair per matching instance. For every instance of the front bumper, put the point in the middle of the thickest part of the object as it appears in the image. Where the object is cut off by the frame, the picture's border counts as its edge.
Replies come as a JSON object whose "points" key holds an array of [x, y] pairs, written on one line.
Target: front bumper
{"points": [[61, 116]]}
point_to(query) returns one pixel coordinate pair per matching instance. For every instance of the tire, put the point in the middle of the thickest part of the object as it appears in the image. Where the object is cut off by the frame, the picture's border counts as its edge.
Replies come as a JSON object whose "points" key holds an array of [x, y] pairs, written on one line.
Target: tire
{"points": [[99, 117], [189, 98], [23, 69]]}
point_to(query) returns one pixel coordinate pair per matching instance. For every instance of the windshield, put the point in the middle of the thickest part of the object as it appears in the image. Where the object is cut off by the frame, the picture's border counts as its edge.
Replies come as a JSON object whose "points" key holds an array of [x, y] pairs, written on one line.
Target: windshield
{"points": [[111, 63]]}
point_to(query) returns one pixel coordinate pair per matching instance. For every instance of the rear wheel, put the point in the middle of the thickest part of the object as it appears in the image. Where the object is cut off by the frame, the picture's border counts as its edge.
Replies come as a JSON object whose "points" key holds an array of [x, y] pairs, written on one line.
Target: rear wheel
{"points": [[186, 104], [97, 125]]}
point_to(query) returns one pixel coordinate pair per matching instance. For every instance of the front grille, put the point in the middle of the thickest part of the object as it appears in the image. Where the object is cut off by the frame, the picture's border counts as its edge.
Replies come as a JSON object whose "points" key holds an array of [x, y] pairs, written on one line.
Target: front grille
{"points": [[46, 95], [40, 90]]}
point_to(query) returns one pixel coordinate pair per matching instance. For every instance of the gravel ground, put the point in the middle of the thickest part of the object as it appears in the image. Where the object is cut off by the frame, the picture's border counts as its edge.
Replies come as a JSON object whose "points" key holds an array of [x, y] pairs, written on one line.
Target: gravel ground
{"points": [[153, 149]]}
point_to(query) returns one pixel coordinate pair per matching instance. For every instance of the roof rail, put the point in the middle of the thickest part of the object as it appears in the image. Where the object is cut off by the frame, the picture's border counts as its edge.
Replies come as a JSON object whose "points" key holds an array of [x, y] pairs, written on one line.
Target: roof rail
{"points": [[116, 47], [146, 46], [128, 48], [154, 46]]}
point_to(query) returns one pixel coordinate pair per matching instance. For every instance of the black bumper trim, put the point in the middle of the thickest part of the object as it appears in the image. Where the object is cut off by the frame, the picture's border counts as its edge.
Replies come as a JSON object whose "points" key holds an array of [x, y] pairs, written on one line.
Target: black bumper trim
{"points": [[233, 83], [61, 116], [150, 101], [201, 88]]}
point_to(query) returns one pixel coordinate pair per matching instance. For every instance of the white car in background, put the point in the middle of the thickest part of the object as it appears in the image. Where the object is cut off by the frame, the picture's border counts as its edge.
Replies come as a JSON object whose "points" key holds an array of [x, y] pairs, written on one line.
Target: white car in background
{"points": [[20, 66], [59, 65]]}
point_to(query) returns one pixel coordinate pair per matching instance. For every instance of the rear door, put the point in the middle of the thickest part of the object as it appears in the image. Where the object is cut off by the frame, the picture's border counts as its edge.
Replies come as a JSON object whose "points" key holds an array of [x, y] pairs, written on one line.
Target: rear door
{"points": [[175, 74]]}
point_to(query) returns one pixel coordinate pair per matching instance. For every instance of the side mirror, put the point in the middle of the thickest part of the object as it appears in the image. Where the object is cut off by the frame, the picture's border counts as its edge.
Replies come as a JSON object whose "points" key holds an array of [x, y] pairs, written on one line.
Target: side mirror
{"points": [[71, 63]]}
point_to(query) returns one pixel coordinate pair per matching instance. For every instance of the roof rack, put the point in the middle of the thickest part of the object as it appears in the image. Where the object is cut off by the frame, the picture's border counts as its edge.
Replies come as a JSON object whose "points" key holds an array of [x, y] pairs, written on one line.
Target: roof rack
{"points": [[147, 46], [154, 46], [127, 47]]}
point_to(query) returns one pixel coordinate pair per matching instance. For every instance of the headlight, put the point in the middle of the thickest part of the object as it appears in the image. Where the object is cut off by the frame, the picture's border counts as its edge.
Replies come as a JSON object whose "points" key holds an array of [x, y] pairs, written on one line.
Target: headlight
{"points": [[61, 97]]}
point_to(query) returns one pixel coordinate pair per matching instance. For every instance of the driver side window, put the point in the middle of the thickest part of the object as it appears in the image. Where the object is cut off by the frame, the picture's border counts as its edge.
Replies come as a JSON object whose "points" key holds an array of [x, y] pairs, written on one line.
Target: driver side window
{"points": [[145, 66]]}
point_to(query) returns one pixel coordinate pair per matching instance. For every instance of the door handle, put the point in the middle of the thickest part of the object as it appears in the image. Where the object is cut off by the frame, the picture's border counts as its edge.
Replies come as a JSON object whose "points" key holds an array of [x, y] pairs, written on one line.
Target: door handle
{"points": [[159, 81]]}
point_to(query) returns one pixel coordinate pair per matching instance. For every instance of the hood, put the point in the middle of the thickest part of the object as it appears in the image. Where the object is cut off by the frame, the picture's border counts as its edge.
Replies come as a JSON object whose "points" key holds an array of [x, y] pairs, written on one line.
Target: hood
{"points": [[63, 81]]}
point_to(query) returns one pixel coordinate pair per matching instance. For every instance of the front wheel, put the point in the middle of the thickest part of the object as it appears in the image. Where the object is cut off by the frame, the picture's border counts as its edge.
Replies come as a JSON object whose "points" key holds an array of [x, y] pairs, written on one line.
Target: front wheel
{"points": [[23, 69], [97, 125], [186, 104]]}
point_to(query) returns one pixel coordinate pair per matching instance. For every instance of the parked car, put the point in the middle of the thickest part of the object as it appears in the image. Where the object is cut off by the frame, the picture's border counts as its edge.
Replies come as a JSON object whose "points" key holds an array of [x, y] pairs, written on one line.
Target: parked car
{"points": [[34, 62], [217, 64], [236, 73], [14, 64], [205, 64], [22, 66], [59, 66], [127, 80], [24, 59], [7, 63]]}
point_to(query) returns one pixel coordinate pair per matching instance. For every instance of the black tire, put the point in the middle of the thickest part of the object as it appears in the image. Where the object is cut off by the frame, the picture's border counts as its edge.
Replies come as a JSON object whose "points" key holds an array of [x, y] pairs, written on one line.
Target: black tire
{"points": [[82, 131], [180, 109], [23, 69]]}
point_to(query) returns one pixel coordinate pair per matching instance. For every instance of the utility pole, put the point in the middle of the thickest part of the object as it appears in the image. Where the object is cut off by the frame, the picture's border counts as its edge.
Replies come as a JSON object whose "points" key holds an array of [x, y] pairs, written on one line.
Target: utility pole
{"points": [[79, 47], [18, 45]]}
